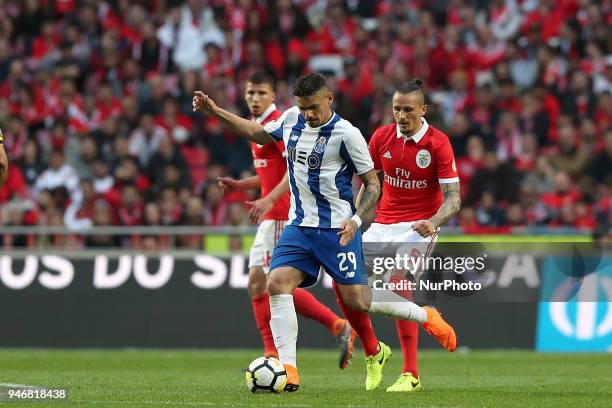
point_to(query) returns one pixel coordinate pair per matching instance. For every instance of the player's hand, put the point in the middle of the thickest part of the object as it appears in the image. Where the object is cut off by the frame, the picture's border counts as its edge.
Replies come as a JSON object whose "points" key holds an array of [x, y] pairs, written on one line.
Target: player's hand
{"points": [[259, 208], [424, 228], [203, 103], [228, 184], [348, 229]]}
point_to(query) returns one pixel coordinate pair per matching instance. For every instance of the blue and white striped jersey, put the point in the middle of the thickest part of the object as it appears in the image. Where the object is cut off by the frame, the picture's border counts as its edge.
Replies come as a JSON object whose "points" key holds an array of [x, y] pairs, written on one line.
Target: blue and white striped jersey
{"points": [[321, 162]]}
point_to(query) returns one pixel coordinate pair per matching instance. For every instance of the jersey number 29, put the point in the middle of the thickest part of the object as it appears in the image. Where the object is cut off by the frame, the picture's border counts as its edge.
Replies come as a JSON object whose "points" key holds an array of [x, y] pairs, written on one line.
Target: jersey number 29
{"points": [[343, 257]]}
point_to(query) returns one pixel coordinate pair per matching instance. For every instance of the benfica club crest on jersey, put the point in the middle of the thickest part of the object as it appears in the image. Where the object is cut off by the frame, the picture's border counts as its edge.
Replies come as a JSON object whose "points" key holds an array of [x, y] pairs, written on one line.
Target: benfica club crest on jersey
{"points": [[320, 146], [423, 159]]}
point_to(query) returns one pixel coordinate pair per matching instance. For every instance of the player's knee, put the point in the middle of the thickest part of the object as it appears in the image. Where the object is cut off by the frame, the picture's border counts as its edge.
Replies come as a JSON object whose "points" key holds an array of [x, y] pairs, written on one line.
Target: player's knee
{"points": [[256, 289], [274, 286], [283, 281], [257, 283], [277, 284]]}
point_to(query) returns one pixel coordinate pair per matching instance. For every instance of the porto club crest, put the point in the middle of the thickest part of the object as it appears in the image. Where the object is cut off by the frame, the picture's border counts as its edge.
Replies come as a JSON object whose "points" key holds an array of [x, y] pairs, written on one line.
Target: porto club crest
{"points": [[320, 145]]}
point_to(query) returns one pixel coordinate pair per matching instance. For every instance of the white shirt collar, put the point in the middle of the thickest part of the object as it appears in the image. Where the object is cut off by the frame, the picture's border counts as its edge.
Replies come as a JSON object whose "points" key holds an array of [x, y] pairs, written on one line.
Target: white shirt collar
{"points": [[418, 135], [266, 113]]}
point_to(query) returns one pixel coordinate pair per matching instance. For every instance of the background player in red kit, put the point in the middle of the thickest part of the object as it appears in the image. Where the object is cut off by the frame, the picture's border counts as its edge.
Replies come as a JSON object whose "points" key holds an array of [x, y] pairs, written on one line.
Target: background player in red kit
{"points": [[271, 211], [3, 162], [420, 192]]}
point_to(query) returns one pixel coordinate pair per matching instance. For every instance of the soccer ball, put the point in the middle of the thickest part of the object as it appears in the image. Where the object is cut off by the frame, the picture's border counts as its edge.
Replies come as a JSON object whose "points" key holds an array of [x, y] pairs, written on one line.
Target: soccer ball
{"points": [[266, 374]]}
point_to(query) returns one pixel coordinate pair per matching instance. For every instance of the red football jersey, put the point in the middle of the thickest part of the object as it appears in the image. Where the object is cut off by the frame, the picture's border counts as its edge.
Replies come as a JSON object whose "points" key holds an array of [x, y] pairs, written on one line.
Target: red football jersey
{"points": [[270, 165], [413, 170]]}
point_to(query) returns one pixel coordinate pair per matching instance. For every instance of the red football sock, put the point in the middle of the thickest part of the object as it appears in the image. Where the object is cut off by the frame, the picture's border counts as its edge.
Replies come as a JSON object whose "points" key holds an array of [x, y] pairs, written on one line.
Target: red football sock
{"points": [[408, 333], [360, 321], [261, 310], [307, 305]]}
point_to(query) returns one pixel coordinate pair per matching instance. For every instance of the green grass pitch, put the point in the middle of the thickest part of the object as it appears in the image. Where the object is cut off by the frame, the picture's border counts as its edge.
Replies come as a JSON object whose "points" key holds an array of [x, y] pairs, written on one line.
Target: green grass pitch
{"points": [[213, 378]]}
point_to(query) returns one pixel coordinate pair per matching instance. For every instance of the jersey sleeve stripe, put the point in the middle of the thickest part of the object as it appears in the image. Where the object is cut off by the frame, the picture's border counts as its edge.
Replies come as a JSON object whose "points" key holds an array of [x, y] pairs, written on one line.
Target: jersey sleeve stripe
{"points": [[278, 133], [347, 157], [275, 127], [448, 180], [344, 177]]}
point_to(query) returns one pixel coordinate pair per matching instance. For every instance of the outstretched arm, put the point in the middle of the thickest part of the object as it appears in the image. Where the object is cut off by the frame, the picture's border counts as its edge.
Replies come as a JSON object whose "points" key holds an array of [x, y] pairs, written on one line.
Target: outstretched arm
{"points": [[229, 184], [361, 193], [370, 194], [366, 200], [265, 204], [249, 129], [450, 206]]}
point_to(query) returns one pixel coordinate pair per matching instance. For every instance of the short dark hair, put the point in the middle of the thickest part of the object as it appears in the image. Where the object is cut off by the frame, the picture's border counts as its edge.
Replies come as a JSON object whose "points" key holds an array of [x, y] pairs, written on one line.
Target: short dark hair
{"points": [[414, 85], [260, 78], [308, 84]]}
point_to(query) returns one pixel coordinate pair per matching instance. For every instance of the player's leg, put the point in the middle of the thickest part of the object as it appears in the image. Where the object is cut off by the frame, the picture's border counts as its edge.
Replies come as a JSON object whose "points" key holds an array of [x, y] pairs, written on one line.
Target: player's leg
{"points": [[257, 286], [291, 266], [409, 380], [283, 319], [350, 299], [360, 321], [307, 305], [261, 308], [399, 308], [392, 305], [346, 267], [408, 332]]}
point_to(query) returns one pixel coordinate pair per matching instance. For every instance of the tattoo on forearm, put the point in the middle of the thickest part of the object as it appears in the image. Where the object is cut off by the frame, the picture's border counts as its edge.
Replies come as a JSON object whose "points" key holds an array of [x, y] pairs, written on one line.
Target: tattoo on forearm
{"points": [[450, 206], [370, 194]]}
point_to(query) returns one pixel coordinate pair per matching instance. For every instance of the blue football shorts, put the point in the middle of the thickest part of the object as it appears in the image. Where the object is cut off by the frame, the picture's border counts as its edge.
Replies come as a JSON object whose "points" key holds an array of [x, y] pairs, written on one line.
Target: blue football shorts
{"points": [[307, 249]]}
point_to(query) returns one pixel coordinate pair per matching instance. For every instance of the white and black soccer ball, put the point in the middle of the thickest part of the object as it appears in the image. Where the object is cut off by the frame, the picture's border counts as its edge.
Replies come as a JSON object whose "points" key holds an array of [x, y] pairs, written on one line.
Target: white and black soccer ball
{"points": [[266, 374]]}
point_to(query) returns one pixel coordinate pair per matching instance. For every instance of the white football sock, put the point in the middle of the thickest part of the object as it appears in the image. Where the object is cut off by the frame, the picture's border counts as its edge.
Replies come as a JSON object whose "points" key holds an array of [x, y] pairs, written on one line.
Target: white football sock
{"points": [[284, 325], [393, 305]]}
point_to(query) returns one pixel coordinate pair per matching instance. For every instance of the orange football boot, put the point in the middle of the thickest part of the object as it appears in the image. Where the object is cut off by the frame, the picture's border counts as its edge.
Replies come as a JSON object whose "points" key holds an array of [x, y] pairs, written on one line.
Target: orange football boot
{"points": [[293, 379], [437, 327]]}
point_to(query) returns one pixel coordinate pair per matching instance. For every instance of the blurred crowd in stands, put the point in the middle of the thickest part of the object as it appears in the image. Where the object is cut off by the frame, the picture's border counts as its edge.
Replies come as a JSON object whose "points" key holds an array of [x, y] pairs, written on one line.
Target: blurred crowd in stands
{"points": [[95, 102]]}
